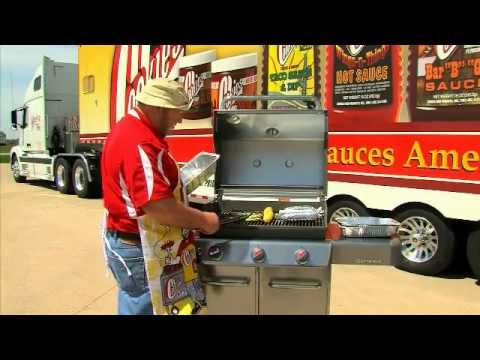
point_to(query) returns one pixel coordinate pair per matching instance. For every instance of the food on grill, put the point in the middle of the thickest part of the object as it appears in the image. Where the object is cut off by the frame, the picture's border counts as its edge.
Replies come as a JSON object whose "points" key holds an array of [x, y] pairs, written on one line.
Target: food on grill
{"points": [[267, 215], [257, 216], [300, 213]]}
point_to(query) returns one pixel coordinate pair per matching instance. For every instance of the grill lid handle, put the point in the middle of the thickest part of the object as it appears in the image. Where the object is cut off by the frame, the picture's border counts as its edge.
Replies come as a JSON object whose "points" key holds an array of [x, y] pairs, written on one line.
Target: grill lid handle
{"points": [[307, 99]]}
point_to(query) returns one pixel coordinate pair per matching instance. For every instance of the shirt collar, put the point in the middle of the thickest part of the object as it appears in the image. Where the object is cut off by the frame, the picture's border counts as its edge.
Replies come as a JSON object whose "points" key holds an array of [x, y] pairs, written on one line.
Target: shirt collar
{"points": [[137, 113]]}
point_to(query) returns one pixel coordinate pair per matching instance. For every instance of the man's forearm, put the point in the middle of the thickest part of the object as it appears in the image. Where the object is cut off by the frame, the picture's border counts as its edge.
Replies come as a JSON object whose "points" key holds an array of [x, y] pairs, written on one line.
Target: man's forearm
{"points": [[174, 213]]}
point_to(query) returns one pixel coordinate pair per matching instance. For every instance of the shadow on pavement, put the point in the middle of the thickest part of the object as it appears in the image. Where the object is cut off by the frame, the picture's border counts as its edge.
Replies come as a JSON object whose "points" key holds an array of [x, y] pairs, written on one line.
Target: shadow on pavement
{"points": [[42, 183], [45, 184], [458, 270]]}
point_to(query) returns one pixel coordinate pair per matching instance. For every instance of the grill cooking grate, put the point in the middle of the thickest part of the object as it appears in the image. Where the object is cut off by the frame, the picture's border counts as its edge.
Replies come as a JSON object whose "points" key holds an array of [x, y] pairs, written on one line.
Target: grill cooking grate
{"points": [[276, 229], [282, 223]]}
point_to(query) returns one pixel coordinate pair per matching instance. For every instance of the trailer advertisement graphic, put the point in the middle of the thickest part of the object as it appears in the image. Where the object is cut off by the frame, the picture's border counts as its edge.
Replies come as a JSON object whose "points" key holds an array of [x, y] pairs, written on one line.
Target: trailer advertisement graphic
{"points": [[448, 75], [291, 69], [362, 75], [453, 157], [133, 66]]}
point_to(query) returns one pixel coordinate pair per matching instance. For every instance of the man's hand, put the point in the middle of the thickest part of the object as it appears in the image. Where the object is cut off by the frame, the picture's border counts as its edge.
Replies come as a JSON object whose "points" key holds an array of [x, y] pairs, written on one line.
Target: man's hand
{"points": [[211, 225]]}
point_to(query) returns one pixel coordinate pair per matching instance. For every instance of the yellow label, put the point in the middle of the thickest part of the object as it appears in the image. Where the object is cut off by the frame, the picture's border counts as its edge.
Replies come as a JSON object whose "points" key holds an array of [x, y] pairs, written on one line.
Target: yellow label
{"points": [[291, 70]]}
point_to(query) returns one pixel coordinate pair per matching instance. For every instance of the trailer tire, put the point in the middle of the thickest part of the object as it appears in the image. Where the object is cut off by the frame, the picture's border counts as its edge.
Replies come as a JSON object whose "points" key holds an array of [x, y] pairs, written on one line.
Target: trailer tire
{"points": [[83, 188], [15, 166], [428, 245], [346, 208], [63, 171], [473, 252]]}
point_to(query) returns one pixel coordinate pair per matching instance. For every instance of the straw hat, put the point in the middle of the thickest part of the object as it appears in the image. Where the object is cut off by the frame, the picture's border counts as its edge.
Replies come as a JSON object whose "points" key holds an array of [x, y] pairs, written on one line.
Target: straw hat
{"points": [[164, 93]]}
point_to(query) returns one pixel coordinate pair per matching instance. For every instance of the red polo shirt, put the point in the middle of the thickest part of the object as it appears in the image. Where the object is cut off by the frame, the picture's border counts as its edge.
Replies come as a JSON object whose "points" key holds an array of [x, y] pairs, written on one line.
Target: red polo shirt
{"points": [[136, 168]]}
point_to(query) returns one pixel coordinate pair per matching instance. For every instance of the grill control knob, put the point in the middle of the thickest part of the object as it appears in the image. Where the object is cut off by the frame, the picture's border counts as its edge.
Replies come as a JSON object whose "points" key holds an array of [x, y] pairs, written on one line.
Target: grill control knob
{"points": [[301, 256], [215, 252], [258, 254]]}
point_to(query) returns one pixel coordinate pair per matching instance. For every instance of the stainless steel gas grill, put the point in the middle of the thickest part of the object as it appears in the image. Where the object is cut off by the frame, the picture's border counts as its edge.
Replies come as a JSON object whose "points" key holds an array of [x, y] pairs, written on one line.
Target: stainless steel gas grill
{"points": [[275, 265]]}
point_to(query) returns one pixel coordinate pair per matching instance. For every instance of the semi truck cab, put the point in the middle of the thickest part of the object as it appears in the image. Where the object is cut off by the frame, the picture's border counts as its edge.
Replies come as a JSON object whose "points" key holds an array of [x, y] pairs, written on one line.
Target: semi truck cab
{"points": [[49, 132]]}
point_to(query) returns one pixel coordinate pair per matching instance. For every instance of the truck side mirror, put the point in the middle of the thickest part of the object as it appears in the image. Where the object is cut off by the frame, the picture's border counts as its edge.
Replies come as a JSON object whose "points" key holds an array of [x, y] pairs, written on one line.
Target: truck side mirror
{"points": [[14, 119], [24, 119]]}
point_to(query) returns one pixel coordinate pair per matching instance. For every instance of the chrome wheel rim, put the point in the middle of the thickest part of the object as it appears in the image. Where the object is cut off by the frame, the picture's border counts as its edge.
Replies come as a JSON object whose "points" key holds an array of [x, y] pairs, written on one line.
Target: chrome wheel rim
{"points": [[343, 212], [16, 168], [419, 239], [79, 178], [60, 176]]}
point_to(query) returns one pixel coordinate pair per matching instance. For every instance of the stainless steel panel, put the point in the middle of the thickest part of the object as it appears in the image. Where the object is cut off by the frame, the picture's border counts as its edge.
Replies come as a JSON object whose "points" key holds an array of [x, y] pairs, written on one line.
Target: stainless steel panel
{"points": [[294, 290], [366, 251], [230, 289], [254, 199], [271, 149], [277, 252]]}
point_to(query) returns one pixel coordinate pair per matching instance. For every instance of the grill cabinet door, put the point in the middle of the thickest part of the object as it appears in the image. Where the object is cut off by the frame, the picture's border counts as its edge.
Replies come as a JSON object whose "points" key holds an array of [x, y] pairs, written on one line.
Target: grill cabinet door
{"points": [[294, 290], [230, 289]]}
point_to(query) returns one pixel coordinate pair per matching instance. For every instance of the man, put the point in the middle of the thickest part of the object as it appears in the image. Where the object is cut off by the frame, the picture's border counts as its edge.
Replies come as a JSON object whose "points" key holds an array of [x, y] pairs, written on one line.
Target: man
{"points": [[139, 178]]}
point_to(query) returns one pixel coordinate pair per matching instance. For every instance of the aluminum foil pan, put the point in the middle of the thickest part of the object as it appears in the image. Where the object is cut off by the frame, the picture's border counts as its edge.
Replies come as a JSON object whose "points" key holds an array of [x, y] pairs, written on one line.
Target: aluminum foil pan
{"points": [[366, 226], [198, 170]]}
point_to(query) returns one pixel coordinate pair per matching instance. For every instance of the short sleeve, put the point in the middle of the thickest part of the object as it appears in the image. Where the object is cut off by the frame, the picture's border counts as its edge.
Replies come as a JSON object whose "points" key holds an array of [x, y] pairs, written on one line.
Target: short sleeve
{"points": [[146, 177]]}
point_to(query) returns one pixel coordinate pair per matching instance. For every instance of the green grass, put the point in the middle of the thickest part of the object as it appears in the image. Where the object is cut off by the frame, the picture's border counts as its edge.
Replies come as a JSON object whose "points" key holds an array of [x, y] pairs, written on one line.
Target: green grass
{"points": [[4, 159], [5, 148]]}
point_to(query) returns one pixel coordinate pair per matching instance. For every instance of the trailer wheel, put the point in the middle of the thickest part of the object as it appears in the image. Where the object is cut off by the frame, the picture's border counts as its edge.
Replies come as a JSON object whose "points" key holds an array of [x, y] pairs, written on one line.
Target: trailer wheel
{"points": [[473, 252], [63, 171], [343, 208], [83, 188], [15, 166], [428, 245]]}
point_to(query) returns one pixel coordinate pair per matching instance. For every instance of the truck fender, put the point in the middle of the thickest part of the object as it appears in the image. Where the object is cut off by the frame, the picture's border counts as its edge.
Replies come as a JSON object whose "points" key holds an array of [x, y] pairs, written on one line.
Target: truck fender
{"points": [[77, 156]]}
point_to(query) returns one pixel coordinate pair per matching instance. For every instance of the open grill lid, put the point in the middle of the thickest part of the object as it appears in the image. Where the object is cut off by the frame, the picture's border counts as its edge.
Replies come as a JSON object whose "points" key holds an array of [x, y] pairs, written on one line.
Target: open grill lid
{"points": [[271, 148]]}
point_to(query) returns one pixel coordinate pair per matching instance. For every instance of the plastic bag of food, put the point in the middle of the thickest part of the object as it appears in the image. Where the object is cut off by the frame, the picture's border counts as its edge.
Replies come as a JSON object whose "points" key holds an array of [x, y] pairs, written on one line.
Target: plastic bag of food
{"points": [[300, 213]]}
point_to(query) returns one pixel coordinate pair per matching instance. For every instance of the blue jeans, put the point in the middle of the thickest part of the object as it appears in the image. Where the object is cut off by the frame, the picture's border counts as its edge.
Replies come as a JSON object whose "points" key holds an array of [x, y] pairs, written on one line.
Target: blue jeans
{"points": [[128, 267]]}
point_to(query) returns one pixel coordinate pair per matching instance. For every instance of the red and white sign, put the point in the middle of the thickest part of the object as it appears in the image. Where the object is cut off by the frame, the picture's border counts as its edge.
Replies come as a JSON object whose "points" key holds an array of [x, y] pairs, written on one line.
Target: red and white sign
{"points": [[133, 66], [452, 158]]}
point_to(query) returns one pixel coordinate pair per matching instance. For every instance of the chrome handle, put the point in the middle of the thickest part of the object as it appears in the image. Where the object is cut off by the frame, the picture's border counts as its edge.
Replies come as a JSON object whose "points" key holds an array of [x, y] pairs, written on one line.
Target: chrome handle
{"points": [[227, 282], [278, 284], [270, 98]]}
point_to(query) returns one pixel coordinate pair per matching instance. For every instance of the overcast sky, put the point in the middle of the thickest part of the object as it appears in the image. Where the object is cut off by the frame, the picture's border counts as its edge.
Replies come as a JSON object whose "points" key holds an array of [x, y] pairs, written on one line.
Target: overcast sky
{"points": [[17, 64]]}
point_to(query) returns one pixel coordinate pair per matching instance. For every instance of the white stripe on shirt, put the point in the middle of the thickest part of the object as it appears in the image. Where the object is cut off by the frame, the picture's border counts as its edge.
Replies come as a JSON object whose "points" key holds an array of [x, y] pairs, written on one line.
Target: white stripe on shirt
{"points": [[128, 202], [147, 170], [160, 166]]}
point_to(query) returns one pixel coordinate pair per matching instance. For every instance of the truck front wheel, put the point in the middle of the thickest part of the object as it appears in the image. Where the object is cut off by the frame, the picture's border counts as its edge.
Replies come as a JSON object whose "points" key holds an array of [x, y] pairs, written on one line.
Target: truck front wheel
{"points": [[63, 171], [428, 245], [83, 188], [473, 252], [16, 170]]}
